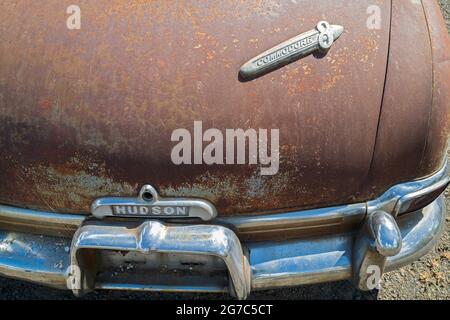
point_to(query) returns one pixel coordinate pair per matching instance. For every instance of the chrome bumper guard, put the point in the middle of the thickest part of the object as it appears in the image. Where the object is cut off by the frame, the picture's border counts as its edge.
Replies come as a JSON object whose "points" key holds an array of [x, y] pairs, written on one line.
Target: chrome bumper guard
{"points": [[212, 258], [163, 257]]}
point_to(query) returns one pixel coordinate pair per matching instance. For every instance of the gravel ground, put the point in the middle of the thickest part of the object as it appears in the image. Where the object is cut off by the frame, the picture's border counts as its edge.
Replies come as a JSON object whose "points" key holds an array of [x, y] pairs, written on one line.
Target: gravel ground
{"points": [[428, 278], [445, 6]]}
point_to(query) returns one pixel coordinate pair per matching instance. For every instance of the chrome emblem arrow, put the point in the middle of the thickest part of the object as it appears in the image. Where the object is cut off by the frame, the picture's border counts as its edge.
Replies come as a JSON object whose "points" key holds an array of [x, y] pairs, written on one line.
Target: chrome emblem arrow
{"points": [[320, 39]]}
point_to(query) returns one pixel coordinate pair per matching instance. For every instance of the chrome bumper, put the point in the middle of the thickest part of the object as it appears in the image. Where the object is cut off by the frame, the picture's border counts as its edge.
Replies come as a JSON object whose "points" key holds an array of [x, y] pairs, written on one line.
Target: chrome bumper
{"points": [[254, 266], [159, 256]]}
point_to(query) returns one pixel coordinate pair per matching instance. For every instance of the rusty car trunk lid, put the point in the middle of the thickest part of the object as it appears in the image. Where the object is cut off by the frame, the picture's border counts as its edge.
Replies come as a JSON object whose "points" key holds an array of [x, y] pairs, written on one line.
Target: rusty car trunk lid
{"points": [[90, 112]]}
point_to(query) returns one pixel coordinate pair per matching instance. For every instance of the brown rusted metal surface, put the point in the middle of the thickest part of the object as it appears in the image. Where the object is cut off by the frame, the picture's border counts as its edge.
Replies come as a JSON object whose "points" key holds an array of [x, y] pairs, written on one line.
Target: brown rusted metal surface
{"points": [[90, 113], [439, 120], [405, 112]]}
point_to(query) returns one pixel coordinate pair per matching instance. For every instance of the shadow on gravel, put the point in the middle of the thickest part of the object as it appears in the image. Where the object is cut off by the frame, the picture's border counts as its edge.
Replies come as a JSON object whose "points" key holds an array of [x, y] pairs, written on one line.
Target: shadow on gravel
{"points": [[344, 290]]}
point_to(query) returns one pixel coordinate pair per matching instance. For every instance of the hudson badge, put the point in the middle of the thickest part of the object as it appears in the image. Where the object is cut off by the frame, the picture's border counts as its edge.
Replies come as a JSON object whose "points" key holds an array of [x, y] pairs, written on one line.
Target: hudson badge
{"points": [[149, 204]]}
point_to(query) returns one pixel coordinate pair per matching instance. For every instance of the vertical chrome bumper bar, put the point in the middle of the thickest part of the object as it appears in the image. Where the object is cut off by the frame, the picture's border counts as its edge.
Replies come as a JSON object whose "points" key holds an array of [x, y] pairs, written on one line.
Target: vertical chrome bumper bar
{"points": [[378, 239]]}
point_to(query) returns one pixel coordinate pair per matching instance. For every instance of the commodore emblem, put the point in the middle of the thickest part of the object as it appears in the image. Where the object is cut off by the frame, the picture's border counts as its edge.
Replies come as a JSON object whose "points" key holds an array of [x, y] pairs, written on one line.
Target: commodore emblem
{"points": [[319, 39], [149, 204]]}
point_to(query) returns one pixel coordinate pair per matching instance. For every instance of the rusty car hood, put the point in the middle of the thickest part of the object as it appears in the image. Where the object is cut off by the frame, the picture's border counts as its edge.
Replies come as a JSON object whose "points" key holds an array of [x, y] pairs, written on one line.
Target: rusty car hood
{"points": [[89, 113]]}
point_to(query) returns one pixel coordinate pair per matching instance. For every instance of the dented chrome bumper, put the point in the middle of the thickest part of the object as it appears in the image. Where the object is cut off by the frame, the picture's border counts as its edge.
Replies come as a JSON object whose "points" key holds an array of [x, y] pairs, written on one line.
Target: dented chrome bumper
{"points": [[217, 257]]}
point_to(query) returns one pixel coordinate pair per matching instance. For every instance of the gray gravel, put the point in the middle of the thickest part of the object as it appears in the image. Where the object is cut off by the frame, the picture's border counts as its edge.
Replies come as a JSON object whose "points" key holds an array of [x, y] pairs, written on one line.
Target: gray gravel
{"points": [[445, 6], [428, 278]]}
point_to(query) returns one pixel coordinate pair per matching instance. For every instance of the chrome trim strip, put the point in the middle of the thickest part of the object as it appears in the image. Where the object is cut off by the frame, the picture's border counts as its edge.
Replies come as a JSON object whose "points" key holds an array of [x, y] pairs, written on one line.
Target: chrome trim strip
{"points": [[41, 222], [315, 218], [315, 221], [162, 288], [396, 197]]}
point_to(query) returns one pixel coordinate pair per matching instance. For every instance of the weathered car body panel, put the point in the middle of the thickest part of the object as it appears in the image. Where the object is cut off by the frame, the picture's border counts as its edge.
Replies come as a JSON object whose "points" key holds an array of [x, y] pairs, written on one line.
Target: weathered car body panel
{"points": [[439, 121], [89, 113], [405, 113], [413, 130]]}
